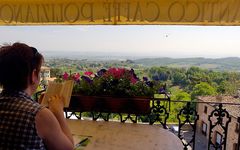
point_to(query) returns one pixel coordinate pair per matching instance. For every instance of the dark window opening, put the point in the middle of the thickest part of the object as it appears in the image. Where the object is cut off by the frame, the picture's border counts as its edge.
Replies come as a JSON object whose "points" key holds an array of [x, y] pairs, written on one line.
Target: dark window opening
{"points": [[237, 127], [235, 146], [205, 109]]}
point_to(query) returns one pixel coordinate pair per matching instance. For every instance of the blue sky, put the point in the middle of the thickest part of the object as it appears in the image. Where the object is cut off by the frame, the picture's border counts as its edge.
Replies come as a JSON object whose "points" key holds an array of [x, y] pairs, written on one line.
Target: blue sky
{"points": [[149, 41]]}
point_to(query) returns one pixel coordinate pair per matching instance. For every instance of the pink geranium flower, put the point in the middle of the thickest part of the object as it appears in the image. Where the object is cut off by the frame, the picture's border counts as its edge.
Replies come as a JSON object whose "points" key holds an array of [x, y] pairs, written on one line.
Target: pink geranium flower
{"points": [[65, 76], [88, 73], [134, 80], [76, 76], [117, 72]]}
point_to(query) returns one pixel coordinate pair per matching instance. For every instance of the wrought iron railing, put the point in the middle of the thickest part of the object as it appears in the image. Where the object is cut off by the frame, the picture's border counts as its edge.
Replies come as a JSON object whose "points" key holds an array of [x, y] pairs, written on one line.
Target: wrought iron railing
{"points": [[187, 116]]}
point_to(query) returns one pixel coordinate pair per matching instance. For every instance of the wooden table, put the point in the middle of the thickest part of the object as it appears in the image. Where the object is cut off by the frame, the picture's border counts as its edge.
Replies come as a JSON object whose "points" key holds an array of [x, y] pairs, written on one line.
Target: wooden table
{"points": [[124, 136]]}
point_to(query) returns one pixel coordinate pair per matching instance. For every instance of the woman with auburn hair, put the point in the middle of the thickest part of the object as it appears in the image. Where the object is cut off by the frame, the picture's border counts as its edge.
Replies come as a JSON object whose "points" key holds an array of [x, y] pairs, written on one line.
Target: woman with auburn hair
{"points": [[24, 123]]}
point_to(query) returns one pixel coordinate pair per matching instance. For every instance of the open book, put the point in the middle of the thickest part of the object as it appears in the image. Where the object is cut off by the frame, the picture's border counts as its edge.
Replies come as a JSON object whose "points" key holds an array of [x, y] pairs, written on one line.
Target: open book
{"points": [[63, 89]]}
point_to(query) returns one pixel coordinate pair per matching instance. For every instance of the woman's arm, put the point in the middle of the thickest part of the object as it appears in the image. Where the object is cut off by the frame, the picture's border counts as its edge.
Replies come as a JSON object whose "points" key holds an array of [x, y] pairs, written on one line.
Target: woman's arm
{"points": [[52, 126], [56, 107]]}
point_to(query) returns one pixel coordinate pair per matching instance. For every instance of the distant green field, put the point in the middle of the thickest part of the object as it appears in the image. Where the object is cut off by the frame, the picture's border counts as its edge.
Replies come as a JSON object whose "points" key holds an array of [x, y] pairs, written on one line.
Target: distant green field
{"points": [[220, 64]]}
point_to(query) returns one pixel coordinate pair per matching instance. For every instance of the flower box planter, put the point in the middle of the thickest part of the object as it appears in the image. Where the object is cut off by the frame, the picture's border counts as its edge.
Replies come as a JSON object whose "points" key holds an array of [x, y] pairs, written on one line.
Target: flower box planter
{"points": [[133, 105]]}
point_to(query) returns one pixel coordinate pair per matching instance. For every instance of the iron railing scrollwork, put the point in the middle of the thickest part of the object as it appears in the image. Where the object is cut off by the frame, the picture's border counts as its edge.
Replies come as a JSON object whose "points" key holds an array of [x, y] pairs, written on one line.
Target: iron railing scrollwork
{"points": [[158, 113], [219, 118], [187, 115], [100, 115], [78, 115], [132, 117]]}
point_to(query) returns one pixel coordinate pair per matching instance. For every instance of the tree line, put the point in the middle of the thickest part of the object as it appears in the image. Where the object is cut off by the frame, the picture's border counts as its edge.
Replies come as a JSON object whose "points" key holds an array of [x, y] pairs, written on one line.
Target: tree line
{"points": [[196, 81]]}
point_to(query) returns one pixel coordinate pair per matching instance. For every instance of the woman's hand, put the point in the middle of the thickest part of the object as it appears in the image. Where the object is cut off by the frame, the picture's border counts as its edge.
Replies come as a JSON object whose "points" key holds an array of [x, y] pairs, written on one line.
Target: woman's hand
{"points": [[55, 103]]}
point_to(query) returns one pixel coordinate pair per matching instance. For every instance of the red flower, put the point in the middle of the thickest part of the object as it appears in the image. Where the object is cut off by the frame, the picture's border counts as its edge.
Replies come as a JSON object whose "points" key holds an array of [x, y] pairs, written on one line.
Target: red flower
{"points": [[133, 80], [76, 76], [88, 73], [116, 72], [65, 76]]}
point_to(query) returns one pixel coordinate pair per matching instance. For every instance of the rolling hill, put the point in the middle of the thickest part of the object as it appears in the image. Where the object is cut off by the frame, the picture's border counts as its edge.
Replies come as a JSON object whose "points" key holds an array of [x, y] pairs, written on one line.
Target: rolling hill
{"points": [[221, 64]]}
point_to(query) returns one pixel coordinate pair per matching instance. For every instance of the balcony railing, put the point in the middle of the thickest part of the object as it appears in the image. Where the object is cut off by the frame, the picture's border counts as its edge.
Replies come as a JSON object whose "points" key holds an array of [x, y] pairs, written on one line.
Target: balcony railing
{"points": [[189, 125]]}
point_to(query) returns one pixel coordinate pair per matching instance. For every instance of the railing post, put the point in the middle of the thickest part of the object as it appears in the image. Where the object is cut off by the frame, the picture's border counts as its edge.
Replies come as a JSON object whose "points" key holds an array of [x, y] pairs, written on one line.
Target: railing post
{"points": [[238, 145]]}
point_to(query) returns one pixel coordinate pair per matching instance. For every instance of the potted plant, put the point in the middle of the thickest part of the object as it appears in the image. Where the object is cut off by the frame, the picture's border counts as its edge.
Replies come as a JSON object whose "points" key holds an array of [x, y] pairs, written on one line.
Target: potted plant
{"points": [[113, 90]]}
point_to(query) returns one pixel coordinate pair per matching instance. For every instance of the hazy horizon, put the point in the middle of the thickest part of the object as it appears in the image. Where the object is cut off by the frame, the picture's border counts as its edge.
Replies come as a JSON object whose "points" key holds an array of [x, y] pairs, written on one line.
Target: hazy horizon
{"points": [[109, 56], [130, 41]]}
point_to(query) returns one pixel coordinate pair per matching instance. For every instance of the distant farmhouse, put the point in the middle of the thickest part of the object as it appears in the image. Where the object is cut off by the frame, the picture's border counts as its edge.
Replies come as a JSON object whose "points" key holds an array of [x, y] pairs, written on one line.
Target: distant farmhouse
{"points": [[203, 125], [45, 72], [45, 75]]}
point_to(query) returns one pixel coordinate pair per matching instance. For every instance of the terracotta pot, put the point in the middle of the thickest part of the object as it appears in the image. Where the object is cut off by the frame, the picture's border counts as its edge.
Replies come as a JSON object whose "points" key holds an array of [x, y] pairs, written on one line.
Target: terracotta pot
{"points": [[133, 105]]}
